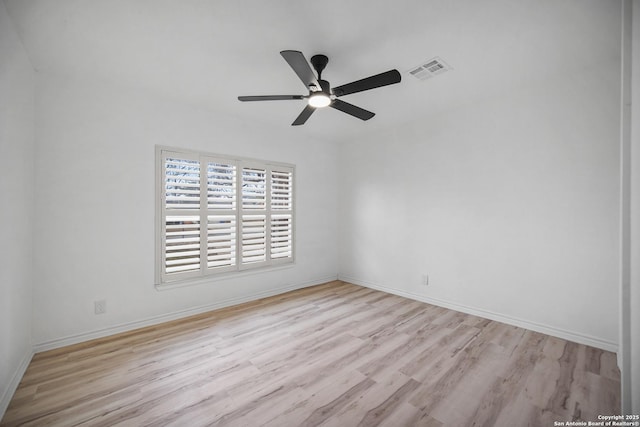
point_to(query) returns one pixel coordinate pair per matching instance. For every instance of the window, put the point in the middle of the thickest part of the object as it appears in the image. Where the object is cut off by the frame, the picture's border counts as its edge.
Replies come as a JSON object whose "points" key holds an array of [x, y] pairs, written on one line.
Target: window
{"points": [[218, 214]]}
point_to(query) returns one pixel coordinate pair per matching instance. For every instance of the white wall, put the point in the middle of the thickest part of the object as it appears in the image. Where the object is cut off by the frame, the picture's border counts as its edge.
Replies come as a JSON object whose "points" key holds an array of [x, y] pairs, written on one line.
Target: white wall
{"points": [[16, 208], [510, 205], [95, 198]]}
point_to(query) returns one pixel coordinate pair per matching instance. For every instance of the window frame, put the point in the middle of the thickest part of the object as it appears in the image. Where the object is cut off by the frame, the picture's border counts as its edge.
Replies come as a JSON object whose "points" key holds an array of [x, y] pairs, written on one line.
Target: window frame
{"points": [[270, 212]]}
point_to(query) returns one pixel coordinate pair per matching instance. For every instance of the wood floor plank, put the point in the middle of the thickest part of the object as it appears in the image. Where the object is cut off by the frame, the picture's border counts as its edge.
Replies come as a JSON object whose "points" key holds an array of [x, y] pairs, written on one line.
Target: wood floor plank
{"points": [[505, 388], [409, 415], [331, 365], [332, 355], [363, 409], [323, 402]]}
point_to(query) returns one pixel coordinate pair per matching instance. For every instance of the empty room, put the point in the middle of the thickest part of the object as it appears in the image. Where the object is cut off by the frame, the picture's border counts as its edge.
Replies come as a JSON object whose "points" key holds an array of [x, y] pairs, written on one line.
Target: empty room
{"points": [[340, 213]]}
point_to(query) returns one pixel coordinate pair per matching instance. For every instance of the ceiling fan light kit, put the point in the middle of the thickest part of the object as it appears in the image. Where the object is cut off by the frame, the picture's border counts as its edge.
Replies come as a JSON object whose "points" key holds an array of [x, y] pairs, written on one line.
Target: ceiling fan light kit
{"points": [[319, 100], [320, 93]]}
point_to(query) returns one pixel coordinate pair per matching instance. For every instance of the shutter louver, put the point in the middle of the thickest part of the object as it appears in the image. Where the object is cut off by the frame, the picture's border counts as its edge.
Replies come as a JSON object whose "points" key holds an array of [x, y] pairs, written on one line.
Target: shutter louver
{"points": [[281, 236], [221, 186], [221, 241], [253, 238], [254, 195], [182, 184], [281, 190], [182, 244]]}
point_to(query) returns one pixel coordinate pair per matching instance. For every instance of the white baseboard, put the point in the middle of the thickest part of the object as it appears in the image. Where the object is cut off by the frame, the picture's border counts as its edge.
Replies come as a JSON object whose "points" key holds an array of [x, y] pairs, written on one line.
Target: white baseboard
{"points": [[87, 336], [526, 324], [10, 389]]}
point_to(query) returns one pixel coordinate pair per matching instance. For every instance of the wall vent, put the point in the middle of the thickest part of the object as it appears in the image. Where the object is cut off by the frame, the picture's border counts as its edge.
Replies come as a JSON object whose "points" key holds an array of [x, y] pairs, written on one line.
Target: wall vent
{"points": [[429, 68]]}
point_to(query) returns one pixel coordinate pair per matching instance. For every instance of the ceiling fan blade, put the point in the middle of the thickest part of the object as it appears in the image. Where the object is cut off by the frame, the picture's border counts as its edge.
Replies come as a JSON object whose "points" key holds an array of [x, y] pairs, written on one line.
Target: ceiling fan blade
{"points": [[358, 112], [383, 79], [300, 65], [270, 97], [302, 118]]}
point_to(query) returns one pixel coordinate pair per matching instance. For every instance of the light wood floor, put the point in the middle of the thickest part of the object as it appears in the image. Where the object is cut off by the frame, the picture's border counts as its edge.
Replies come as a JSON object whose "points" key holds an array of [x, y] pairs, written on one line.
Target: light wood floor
{"points": [[331, 355]]}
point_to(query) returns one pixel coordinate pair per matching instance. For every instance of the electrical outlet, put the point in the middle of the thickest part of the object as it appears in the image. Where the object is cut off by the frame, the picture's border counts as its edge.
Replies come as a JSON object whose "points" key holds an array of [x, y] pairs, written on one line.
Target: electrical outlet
{"points": [[425, 279], [100, 307]]}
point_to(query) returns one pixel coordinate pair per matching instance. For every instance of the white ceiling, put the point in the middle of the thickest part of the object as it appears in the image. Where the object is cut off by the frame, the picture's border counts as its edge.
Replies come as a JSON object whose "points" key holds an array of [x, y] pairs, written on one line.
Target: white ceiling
{"points": [[208, 52]]}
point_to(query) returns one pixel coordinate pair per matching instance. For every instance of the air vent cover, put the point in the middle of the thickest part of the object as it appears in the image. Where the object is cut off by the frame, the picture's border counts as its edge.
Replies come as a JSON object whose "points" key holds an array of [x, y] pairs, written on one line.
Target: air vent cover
{"points": [[429, 68]]}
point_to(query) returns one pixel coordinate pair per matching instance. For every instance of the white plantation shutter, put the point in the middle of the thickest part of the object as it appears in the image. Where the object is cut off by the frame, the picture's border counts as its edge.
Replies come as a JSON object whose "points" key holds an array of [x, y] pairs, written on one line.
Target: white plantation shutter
{"points": [[221, 206], [182, 183], [282, 189], [221, 185], [219, 214], [254, 239], [281, 236], [221, 241], [182, 244], [254, 216], [181, 214], [281, 219], [254, 189]]}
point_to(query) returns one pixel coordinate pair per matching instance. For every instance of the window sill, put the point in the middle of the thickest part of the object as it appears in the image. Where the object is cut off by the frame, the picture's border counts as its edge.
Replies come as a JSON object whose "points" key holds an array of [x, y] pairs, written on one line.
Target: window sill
{"points": [[220, 277]]}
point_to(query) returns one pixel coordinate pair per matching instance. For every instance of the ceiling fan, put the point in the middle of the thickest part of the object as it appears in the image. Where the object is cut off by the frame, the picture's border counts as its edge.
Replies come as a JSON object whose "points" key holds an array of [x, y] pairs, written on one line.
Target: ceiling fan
{"points": [[320, 92]]}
